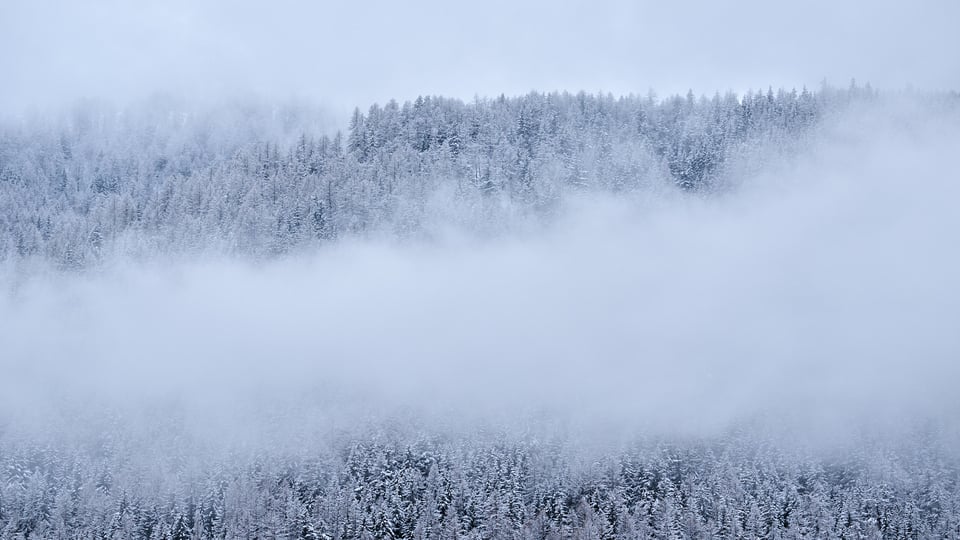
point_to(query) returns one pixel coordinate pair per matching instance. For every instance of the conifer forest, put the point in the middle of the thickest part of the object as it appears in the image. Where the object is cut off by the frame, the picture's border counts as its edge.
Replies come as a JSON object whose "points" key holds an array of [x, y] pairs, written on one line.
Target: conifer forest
{"points": [[616, 270]]}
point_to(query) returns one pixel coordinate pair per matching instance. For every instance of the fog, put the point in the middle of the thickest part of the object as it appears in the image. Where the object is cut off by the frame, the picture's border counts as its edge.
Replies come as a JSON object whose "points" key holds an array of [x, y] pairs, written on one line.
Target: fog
{"points": [[347, 54], [821, 293]]}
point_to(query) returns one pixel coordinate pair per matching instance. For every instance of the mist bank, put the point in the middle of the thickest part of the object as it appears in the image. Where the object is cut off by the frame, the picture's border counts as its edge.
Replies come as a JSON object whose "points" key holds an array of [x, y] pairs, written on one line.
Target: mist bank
{"points": [[819, 294]]}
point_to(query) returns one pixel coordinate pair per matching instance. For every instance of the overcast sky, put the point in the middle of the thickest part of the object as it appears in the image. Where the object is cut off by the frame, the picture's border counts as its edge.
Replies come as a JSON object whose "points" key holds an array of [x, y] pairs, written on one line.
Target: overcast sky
{"points": [[347, 53]]}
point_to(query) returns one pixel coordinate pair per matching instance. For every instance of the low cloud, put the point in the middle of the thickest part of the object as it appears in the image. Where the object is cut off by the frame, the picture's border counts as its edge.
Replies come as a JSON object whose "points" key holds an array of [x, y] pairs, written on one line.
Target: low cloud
{"points": [[821, 291]]}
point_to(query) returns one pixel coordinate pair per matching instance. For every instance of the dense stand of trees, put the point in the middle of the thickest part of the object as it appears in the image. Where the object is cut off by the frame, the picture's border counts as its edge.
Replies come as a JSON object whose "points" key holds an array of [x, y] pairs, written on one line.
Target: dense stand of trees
{"points": [[153, 179], [486, 487]]}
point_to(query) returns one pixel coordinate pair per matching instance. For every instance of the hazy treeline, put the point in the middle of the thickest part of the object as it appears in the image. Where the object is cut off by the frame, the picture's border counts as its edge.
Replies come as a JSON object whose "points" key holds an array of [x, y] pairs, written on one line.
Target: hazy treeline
{"points": [[387, 485], [252, 180], [825, 304]]}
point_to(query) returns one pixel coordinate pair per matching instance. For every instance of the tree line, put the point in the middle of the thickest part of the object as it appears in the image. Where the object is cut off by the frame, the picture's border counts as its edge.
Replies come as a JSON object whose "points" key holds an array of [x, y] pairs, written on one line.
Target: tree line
{"points": [[258, 181], [482, 487]]}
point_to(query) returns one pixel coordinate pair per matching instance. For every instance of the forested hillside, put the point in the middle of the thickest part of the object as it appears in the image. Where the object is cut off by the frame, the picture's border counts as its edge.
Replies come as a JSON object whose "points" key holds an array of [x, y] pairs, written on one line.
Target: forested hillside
{"points": [[484, 487], [156, 178], [499, 270], [766, 350]]}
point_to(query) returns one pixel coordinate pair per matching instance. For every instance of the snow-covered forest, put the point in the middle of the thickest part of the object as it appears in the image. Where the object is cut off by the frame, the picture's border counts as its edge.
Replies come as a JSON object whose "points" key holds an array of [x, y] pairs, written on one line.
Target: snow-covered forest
{"points": [[158, 178], [547, 316], [488, 485], [499, 270]]}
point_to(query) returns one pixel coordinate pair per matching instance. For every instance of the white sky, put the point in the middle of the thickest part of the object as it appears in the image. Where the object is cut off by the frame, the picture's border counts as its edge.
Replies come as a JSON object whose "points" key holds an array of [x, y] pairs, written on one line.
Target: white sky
{"points": [[347, 53]]}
